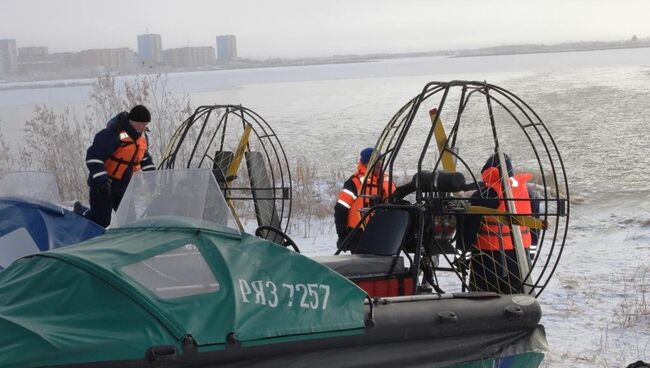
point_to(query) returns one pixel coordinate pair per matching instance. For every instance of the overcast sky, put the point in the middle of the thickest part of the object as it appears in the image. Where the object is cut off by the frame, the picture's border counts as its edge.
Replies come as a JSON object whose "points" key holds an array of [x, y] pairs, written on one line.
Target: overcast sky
{"points": [[294, 28]]}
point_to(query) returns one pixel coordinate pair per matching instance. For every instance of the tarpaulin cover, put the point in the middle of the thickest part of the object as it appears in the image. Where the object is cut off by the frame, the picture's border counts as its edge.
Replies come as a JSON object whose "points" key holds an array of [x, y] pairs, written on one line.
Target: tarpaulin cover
{"points": [[29, 225], [157, 281]]}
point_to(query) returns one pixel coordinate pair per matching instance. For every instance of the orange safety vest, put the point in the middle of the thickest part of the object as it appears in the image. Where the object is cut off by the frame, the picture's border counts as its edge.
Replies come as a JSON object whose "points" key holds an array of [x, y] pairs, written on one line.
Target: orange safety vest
{"points": [[129, 153], [358, 201], [493, 235]]}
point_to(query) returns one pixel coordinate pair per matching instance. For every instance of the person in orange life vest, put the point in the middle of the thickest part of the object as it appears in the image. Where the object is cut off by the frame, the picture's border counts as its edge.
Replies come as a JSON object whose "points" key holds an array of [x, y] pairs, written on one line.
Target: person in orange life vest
{"points": [[347, 209], [116, 153], [494, 263]]}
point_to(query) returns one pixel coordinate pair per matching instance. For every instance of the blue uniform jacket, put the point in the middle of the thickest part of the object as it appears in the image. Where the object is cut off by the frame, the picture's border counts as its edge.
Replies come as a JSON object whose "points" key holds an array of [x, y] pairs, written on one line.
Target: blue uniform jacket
{"points": [[103, 146]]}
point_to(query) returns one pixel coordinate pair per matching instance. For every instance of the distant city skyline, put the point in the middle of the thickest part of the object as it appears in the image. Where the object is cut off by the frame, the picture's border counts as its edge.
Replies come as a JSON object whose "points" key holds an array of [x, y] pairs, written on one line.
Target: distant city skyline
{"points": [[36, 62], [294, 28]]}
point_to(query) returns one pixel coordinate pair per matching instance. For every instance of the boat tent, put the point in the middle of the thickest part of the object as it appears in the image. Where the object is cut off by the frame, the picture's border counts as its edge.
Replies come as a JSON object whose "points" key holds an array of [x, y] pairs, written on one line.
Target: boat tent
{"points": [[29, 225], [167, 281]]}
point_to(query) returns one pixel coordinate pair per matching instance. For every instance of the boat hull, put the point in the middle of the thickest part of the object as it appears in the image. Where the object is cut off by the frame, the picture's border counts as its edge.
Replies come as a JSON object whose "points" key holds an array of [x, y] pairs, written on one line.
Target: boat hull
{"points": [[456, 331]]}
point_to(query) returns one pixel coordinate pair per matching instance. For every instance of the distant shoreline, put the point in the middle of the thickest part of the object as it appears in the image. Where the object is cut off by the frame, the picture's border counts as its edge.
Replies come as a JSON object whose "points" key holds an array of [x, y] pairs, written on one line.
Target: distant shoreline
{"points": [[533, 49], [47, 83], [71, 81]]}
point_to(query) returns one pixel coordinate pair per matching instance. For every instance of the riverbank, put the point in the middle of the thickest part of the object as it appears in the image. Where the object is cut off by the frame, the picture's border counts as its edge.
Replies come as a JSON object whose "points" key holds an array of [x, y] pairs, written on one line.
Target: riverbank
{"points": [[547, 49]]}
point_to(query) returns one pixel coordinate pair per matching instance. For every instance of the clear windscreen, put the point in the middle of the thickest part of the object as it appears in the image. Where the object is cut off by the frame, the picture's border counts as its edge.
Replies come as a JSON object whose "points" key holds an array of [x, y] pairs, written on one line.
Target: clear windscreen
{"points": [[189, 193], [32, 184]]}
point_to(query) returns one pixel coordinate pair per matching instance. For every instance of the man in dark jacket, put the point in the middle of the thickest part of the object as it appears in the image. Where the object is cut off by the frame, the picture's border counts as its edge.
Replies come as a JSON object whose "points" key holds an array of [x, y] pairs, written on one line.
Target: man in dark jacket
{"points": [[116, 153], [350, 203]]}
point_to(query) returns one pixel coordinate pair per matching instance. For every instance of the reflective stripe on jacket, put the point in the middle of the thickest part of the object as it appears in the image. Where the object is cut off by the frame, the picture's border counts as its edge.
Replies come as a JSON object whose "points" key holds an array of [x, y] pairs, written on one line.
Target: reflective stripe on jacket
{"points": [[370, 196], [493, 235], [129, 153]]}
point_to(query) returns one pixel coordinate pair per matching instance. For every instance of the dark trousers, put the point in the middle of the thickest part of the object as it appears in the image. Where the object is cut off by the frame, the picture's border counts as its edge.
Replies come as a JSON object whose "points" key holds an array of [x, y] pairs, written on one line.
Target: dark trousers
{"points": [[102, 205], [353, 241]]}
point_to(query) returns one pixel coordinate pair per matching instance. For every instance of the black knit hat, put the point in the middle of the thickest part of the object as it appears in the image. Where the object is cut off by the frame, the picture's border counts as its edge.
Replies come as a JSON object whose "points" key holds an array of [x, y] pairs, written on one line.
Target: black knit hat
{"points": [[140, 114], [493, 161]]}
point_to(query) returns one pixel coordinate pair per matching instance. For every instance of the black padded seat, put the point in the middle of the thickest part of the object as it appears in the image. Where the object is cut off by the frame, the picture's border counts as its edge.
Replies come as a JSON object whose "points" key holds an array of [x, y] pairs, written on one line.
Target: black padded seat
{"points": [[384, 234], [358, 266]]}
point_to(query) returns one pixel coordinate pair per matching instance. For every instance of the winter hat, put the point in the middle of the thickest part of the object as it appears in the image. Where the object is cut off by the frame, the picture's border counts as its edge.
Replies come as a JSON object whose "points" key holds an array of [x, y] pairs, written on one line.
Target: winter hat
{"points": [[493, 161], [365, 154], [140, 114]]}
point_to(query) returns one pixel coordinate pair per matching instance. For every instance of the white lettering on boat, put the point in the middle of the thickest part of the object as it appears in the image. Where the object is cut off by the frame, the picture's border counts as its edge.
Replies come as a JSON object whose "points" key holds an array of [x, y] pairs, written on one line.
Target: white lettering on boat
{"points": [[274, 292], [291, 290], [244, 289], [261, 292], [304, 295]]}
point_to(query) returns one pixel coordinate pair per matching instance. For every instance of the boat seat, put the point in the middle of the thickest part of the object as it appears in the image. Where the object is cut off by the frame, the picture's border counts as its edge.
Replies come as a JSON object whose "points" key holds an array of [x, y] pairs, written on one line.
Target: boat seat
{"points": [[385, 233], [361, 266]]}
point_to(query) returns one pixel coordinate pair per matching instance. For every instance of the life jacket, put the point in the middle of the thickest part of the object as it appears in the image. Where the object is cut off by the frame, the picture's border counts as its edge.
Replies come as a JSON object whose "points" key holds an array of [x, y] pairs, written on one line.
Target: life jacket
{"points": [[493, 235], [129, 153], [368, 198]]}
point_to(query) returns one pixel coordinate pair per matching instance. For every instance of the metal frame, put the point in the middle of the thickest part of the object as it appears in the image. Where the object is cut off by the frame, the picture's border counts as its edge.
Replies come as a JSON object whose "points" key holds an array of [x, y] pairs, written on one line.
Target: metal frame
{"points": [[554, 180], [221, 120]]}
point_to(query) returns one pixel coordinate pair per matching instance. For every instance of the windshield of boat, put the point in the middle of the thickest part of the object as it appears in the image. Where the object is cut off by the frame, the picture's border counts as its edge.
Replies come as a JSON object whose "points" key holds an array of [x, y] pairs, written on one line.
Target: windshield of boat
{"points": [[189, 193], [33, 184]]}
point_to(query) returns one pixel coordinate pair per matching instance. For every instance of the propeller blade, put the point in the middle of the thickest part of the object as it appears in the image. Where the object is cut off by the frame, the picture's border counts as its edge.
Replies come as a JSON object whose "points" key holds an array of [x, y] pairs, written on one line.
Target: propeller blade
{"points": [[502, 217]]}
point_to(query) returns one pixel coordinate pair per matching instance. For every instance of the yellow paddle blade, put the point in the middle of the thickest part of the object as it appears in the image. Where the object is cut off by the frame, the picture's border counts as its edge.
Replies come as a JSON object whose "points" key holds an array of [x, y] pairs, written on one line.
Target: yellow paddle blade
{"points": [[447, 160], [502, 217], [231, 173], [233, 168]]}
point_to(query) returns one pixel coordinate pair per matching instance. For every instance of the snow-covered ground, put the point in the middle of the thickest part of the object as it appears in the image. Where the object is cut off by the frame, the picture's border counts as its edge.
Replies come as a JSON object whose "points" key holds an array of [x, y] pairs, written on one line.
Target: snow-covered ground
{"points": [[597, 306]]}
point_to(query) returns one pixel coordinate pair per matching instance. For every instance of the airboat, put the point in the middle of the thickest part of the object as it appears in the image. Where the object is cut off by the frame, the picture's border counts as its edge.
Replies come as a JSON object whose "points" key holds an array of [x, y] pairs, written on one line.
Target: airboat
{"points": [[180, 281]]}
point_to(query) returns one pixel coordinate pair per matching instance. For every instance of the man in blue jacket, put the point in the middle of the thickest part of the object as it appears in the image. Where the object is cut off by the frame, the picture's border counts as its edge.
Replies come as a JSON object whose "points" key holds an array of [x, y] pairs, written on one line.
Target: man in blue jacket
{"points": [[116, 153]]}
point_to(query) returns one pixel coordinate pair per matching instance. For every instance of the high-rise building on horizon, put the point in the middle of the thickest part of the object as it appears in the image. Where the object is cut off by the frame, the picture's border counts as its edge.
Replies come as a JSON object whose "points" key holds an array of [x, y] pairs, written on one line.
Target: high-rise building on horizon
{"points": [[150, 50], [8, 56], [226, 48]]}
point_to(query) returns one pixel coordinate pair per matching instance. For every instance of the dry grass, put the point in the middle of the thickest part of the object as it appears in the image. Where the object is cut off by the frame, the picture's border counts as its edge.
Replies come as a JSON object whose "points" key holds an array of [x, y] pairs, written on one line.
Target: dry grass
{"points": [[56, 142], [622, 333], [313, 198], [634, 308]]}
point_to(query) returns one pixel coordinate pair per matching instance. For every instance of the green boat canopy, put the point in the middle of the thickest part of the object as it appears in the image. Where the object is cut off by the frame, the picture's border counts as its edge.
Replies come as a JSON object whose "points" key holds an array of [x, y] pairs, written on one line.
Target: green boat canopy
{"points": [[167, 280]]}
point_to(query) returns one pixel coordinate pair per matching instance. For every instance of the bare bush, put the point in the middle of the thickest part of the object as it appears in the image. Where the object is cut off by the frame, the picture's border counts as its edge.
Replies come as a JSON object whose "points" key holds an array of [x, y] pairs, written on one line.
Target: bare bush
{"points": [[6, 155], [312, 198], [168, 112], [55, 142]]}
